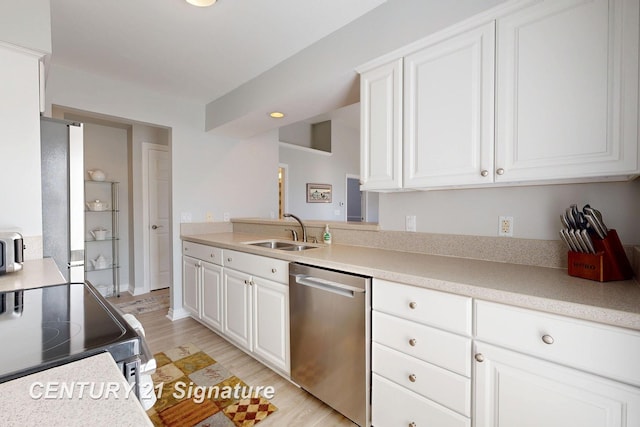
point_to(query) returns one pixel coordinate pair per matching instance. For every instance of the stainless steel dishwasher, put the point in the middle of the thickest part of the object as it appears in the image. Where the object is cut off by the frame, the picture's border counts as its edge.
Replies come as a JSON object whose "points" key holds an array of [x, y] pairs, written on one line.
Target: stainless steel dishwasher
{"points": [[330, 315]]}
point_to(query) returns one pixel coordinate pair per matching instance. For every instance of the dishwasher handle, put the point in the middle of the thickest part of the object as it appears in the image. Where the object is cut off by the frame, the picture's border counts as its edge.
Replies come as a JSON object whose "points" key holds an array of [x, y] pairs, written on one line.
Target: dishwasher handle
{"points": [[327, 285]]}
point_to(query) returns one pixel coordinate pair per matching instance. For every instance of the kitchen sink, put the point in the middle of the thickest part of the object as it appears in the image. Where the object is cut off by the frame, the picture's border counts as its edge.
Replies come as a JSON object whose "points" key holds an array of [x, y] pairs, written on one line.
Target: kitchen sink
{"points": [[283, 245]]}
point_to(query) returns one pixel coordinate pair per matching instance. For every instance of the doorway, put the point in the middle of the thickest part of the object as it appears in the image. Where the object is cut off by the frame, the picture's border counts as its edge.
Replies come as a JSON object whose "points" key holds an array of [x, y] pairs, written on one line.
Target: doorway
{"points": [[355, 205]]}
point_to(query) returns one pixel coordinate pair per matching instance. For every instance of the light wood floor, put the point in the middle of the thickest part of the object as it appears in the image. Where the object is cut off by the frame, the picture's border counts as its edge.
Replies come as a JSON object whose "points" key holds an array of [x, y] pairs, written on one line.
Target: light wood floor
{"points": [[295, 406]]}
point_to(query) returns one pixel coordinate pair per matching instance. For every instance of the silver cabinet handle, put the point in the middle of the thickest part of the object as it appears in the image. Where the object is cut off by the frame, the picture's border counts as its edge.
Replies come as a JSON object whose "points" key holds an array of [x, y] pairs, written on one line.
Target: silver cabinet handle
{"points": [[274, 271], [229, 259], [155, 227], [412, 424], [212, 256], [500, 171], [251, 282], [412, 342], [413, 378], [547, 339], [479, 357], [484, 173], [413, 305]]}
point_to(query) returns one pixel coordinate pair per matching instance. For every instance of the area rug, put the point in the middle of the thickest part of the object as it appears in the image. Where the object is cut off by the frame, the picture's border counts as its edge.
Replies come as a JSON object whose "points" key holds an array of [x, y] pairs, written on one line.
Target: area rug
{"points": [[145, 305], [195, 390]]}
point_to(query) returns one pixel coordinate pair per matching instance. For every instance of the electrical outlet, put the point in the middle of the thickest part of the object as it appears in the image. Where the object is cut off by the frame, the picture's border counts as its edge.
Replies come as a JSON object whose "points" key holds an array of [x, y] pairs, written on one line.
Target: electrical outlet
{"points": [[209, 217], [410, 223], [226, 217], [505, 226], [185, 217]]}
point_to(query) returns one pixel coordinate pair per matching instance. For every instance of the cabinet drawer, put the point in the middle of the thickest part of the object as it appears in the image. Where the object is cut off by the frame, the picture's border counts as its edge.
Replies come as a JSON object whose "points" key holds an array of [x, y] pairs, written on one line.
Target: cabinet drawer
{"points": [[393, 405], [443, 349], [203, 252], [606, 350], [444, 387], [269, 268], [439, 309]]}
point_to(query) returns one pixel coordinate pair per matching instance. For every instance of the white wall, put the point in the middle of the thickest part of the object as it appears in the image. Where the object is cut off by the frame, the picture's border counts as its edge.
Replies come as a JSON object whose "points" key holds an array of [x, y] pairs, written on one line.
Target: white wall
{"points": [[209, 173], [312, 166], [105, 148], [536, 209]]}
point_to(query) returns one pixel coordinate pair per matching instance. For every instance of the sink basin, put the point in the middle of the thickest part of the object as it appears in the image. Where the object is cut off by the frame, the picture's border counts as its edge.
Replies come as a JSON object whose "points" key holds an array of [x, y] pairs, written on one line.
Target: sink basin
{"points": [[283, 245]]}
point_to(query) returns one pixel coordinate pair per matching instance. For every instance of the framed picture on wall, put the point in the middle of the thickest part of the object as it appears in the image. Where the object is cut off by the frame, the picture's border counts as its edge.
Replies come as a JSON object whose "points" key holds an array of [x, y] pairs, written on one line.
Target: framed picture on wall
{"points": [[318, 193]]}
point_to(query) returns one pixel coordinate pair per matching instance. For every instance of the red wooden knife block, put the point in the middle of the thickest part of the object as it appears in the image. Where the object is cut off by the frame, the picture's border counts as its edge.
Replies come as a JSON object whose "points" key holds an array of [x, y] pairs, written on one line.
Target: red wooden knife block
{"points": [[608, 264]]}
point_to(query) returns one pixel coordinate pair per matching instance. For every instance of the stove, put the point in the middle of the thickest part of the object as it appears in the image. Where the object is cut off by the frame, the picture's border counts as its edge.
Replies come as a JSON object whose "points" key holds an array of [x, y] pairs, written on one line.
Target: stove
{"points": [[50, 326]]}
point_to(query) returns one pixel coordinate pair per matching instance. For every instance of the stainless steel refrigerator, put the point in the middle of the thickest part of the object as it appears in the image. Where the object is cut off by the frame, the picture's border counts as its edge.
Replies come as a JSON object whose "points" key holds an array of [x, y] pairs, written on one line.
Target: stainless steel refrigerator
{"points": [[63, 231]]}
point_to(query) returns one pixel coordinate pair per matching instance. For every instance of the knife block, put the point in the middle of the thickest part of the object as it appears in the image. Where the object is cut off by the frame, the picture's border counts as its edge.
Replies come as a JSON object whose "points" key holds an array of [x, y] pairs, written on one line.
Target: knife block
{"points": [[609, 263]]}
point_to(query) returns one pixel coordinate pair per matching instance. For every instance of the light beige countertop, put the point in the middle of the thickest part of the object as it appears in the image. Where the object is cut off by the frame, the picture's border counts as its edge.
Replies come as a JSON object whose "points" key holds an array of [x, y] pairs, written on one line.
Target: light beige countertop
{"points": [[34, 274], [96, 395], [546, 289]]}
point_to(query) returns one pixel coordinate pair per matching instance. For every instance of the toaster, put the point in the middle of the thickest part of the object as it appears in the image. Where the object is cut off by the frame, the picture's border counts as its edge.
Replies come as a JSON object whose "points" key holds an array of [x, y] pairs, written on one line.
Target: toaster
{"points": [[11, 252]]}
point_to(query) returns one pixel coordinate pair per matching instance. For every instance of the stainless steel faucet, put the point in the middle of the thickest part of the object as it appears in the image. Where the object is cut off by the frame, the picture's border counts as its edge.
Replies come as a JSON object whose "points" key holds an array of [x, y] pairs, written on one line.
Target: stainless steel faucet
{"points": [[304, 229]]}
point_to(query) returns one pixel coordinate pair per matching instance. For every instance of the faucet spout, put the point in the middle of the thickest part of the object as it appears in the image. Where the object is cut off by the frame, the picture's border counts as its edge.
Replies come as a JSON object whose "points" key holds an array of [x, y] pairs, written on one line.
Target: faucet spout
{"points": [[304, 229]]}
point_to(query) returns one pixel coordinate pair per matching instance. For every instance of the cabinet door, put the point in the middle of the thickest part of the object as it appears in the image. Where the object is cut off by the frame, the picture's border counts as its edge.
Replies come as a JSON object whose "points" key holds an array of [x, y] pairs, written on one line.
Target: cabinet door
{"points": [[212, 295], [191, 285], [381, 127], [271, 323], [237, 307], [514, 390], [449, 111], [567, 90]]}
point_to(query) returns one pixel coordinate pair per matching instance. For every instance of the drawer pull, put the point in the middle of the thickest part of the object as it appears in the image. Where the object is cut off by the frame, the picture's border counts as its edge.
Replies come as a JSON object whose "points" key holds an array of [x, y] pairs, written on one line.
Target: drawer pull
{"points": [[229, 259], [413, 342], [413, 305], [412, 378], [274, 271], [412, 424], [212, 255], [547, 339], [479, 357], [246, 282]]}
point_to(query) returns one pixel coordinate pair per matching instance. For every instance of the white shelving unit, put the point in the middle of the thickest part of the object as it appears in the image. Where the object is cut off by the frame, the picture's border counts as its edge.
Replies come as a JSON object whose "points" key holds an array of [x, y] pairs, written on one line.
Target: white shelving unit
{"points": [[103, 191]]}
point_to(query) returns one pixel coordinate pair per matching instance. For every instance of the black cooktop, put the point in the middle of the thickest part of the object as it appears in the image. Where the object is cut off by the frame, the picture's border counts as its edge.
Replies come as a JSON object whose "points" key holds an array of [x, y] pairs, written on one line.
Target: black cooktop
{"points": [[45, 327]]}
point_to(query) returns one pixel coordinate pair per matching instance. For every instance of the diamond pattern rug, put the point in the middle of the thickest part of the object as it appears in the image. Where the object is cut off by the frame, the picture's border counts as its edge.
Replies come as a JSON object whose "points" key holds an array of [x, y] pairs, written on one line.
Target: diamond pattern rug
{"points": [[195, 390]]}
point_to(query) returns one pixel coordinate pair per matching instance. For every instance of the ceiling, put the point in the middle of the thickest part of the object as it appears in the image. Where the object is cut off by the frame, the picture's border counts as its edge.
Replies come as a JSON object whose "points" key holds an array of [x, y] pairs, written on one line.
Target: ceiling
{"points": [[188, 52]]}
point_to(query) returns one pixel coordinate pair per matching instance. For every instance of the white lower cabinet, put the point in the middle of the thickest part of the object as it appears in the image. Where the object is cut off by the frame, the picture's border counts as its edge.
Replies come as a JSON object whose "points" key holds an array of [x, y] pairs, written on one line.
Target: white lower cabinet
{"points": [[516, 390], [394, 405], [256, 309], [421, 370], [537, 369], [245, 299], [202, 283]]}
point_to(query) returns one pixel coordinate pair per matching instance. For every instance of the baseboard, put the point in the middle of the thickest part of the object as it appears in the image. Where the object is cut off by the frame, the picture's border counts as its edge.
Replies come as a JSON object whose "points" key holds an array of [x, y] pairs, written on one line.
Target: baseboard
{"points": [[176, 314]]}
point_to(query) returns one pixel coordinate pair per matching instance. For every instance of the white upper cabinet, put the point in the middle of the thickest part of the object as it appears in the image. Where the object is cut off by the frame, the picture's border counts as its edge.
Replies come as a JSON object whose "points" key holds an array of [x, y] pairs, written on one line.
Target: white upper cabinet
{"points": [[567, 91], [533, 92], [381, 127], [448, 116]]}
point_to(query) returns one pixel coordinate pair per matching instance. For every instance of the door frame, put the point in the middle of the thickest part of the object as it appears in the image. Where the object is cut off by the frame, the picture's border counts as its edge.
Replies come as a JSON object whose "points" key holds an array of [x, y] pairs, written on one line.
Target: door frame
{"points": [[285, 189], [146, 235]]}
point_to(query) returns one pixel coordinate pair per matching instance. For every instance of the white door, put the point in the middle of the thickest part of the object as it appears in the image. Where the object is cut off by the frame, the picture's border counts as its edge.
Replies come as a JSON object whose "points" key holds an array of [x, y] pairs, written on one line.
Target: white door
{"points": [[158, 202], [191, 277], [567, 90], [237, 307], [271, 323], [381, 127], [212, 295], [448, 115], [514, 390]]}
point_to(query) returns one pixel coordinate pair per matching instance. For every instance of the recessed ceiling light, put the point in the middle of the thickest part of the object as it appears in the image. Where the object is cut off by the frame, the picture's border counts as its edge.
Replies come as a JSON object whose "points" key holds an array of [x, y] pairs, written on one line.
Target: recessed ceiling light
{"points": [[201, 3], [276, 115]]}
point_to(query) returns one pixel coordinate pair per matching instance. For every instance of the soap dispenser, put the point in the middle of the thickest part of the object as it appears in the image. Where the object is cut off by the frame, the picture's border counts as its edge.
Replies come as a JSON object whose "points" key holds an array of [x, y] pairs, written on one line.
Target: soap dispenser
{"points": [[326, 237]]}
